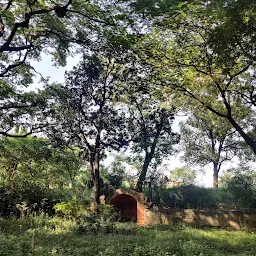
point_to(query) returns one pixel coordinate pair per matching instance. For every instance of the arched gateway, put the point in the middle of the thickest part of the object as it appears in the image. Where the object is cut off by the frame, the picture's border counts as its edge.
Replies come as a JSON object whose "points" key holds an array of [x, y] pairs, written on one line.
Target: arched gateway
{"points": [[130, 203]]}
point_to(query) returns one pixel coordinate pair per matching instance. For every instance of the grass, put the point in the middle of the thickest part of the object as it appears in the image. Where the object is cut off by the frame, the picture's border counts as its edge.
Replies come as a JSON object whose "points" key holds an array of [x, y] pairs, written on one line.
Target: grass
{"points": [[41, 236]]}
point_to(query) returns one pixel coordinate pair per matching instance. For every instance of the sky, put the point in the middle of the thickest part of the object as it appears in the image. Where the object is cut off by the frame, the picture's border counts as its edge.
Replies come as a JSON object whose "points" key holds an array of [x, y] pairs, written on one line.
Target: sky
{"points": [[56, 74], [47, 69]]}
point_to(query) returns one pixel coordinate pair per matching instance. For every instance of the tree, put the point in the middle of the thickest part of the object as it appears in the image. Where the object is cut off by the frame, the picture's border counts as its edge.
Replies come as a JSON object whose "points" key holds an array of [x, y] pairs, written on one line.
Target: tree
{"points": [[115, 172], [84, 111], [185, 60], [150, 122], [234, 37], [23, 111], [35, 159], [154, 138], [183, 175], [29, 170], [207, 138], [30, 28]]}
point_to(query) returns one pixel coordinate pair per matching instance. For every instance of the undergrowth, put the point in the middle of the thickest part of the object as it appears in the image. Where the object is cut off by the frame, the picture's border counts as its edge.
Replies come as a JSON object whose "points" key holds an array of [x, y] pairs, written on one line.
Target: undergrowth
{"points": [[44, 236]]}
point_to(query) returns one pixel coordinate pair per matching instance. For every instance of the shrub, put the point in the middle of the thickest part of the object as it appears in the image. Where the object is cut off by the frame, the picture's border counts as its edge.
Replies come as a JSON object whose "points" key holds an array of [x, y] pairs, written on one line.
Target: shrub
{"points": [[109, 212], [96, 224], [72, 208], [192, 197], [35, 196], [243, 191]]}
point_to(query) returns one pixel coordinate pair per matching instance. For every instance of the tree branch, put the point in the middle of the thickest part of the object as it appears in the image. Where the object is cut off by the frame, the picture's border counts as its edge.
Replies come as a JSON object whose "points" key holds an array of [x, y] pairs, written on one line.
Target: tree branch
{"points": [[14, 65], [91, 18], [32, 130], [25, 23]]}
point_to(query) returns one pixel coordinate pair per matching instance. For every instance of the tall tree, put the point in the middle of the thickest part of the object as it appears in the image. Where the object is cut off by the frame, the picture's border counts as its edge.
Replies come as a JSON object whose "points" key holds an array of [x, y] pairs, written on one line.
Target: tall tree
{"points": [[30, 28], [154, 137], [206, 139], [185, 60], [151, 119], [85, 111]]}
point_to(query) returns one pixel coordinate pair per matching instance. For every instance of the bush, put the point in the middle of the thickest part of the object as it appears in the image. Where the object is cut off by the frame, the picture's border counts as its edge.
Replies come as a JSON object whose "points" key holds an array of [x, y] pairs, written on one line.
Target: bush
{"points": [[237, 193], [96, 224], [109, 212], [72, 208], [192, 197], [106, 222], [36, 197], [243, 192]]}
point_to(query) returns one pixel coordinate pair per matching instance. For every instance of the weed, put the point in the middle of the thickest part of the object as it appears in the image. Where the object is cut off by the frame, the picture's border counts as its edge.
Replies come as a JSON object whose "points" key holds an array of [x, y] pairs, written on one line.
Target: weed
{"points": [[44, 236]]}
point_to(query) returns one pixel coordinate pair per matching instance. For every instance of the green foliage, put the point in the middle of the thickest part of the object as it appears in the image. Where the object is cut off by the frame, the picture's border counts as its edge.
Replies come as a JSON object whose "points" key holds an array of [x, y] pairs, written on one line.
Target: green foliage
{"points": [[72, 208], [237, 192], [233, 38], [208, 139], [29, 30], [184, 175], [62, 237], [115, 172], [34, 196], [32, 173], [243, 191], [103, 222], [184, 59], [34, 158], [108, 212], [192, 197]]}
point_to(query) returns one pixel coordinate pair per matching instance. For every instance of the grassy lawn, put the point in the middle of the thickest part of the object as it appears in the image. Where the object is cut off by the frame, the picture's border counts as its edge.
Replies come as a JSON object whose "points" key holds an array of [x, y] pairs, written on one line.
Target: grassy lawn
{"points": [[42, 236]]}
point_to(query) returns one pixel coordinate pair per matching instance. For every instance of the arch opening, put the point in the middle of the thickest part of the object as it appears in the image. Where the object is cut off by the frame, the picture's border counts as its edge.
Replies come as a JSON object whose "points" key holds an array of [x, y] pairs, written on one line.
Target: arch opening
{"points": [[127, 206]]}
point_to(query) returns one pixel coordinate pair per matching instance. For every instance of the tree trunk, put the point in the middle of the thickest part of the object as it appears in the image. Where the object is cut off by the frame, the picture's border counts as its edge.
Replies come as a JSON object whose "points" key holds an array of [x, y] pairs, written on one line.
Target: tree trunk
{"points": [[215, 175], [149, 156], [246, 138], [143, 173], [96, 182]]}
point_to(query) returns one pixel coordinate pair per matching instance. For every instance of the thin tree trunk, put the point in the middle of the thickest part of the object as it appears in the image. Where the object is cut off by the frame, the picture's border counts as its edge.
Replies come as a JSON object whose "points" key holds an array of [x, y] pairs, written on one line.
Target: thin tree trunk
{"points": [[96, 183], [215, 175], [92, 170]]}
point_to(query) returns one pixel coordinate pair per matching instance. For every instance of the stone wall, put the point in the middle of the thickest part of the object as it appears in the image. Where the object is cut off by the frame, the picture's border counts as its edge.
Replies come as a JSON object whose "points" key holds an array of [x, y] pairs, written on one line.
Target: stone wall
{"points": [[201, 218]]}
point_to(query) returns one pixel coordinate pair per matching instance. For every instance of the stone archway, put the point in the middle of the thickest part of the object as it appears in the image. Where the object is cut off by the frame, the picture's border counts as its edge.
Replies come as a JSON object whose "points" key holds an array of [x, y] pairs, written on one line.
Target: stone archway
{"points": [[127, 205]]}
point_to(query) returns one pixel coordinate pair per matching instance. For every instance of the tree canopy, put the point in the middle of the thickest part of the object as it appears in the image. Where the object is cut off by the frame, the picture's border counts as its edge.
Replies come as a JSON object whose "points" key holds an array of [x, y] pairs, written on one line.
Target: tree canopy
{"points": [[141, 62]]}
